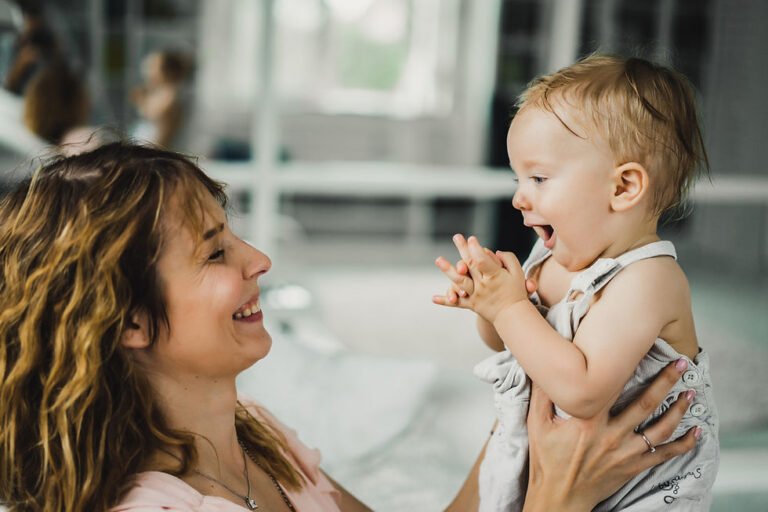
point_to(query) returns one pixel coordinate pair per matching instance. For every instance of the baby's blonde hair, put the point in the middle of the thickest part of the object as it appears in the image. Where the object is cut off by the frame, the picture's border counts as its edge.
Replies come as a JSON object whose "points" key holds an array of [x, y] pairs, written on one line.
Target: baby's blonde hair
{"points": [[645, 112]]}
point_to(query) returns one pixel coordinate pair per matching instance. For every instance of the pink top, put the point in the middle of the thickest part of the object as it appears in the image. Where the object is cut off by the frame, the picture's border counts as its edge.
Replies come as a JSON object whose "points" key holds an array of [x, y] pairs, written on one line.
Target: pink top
{"points": [[154, 491]]}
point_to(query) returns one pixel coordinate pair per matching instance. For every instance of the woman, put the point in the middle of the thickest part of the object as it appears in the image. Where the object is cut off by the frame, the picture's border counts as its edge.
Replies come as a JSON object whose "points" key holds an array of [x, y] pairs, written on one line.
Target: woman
{"points": [[128, 307]]}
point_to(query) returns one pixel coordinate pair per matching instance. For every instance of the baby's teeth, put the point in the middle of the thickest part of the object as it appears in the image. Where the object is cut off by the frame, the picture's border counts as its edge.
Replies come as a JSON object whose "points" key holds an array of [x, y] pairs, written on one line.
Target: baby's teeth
{"points": [[238, 316]]}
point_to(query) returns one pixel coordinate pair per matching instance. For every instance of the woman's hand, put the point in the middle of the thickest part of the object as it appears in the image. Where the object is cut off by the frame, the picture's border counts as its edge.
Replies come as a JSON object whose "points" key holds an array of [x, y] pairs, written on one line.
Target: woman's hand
{"points": [[575, 464]]}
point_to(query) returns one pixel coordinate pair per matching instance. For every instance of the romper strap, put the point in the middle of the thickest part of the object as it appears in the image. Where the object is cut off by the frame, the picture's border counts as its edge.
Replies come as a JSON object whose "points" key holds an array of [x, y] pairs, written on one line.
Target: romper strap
{"points": [[601, 271], [652, 250], [586, 284]]}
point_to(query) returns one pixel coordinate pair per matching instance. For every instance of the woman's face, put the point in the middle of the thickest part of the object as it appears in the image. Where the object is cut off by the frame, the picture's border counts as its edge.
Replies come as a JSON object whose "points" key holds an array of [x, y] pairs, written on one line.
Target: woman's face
{"points": [[209, 282]]}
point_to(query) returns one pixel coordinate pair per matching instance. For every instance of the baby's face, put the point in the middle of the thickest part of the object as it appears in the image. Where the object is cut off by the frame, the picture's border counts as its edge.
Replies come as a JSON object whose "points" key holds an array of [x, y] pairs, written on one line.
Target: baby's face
{"points": [[565, 183]]}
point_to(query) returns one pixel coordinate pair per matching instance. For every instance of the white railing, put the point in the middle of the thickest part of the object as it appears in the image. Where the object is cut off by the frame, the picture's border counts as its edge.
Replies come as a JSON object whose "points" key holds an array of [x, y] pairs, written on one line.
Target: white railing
{"points": [[418, 185]]}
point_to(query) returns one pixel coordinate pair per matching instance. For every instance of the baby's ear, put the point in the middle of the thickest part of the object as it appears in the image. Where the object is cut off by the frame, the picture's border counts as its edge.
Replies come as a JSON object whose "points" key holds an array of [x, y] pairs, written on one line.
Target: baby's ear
{"points": [[135, 335], [630, 185]]}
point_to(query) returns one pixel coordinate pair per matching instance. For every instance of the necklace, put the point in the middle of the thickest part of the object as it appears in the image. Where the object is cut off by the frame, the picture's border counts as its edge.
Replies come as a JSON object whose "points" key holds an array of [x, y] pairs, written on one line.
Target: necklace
{"points": [[269, 474], [249, 502]]}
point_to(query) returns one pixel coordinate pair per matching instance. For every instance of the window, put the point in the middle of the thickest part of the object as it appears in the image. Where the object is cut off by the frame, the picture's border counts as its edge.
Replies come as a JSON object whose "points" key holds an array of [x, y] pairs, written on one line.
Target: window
{"points": [[380, 57]]}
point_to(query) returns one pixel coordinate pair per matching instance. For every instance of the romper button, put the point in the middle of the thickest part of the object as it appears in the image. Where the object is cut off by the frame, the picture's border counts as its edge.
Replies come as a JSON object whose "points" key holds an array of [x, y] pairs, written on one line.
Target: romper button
{"points": [[691, 377], [698, 409]]}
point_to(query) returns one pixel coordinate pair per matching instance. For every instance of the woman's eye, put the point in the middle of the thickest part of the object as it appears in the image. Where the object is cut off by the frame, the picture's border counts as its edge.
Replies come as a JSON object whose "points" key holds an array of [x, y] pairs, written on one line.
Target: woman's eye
{"points": [[216, 255]]}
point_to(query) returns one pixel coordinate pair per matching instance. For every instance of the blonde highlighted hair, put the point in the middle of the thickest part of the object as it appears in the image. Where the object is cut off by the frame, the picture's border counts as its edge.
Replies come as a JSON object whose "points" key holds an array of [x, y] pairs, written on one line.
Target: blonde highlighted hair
{"points": [[645, 112], [79, 243]]}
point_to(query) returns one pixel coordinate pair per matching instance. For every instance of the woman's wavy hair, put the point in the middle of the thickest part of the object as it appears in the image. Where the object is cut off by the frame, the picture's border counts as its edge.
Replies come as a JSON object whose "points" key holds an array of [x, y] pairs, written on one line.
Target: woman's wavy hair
{"points": [[79, 245]]}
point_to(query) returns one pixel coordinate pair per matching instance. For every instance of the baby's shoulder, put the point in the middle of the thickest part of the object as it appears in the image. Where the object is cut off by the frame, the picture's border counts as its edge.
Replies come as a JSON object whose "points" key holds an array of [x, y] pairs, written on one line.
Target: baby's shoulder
{"points": [[660, 279]]}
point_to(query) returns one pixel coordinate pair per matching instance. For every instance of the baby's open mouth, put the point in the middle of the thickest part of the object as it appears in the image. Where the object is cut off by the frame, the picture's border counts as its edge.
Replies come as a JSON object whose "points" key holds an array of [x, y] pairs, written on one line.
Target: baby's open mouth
{"points": [[247, 309], [547, 233], [544, 231]]}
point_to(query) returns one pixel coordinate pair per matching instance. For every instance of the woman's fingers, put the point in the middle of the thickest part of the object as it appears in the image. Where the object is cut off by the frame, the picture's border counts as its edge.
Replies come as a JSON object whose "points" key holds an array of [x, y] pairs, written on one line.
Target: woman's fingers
{"points": [[670, 450], [663, 429], [653, 395]]}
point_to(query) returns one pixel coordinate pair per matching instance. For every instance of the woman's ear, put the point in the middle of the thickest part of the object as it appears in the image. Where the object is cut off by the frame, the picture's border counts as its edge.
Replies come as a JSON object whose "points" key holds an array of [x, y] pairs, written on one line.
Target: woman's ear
{"points": [[135, 335], [630, 186]]}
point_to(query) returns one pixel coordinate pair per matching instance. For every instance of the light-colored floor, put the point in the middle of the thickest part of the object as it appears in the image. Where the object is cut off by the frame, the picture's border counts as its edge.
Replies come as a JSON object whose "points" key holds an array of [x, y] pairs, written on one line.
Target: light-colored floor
{"points": [[375, 299]]}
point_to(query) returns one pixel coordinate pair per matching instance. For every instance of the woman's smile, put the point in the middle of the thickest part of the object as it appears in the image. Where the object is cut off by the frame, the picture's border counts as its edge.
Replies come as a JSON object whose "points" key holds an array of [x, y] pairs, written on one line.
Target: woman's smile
{"points": [[248, 310]]}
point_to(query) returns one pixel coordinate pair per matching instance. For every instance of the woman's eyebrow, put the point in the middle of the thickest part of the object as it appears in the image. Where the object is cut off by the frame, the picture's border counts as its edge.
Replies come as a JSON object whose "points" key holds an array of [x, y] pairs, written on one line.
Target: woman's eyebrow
{"points": [[213, 232]]}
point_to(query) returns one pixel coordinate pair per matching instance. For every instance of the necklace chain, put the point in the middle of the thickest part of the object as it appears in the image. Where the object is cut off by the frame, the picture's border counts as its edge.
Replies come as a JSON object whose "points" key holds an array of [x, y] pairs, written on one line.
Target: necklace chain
{"points": [[249, 502], [269, 474]]}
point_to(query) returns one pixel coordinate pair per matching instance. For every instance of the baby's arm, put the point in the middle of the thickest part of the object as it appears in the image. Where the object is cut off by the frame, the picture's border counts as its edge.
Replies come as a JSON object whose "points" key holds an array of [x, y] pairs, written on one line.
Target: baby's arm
{"points": [[584, 376]]}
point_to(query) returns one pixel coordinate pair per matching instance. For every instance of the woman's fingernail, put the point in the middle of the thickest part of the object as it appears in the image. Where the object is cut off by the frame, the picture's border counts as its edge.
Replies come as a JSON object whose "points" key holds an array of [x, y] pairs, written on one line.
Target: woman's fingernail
{"points": [[697, 433], [681, 365], [690, 395]]}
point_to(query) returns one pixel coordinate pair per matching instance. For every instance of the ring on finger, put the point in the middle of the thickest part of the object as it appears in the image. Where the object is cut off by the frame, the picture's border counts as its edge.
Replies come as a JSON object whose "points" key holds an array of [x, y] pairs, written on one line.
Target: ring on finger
{"points": [[648, 442]]}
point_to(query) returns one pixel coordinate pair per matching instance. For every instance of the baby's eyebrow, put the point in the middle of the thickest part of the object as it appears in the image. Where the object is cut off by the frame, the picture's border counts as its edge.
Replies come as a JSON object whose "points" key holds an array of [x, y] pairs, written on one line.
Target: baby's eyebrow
{"points": [[213, 232]]}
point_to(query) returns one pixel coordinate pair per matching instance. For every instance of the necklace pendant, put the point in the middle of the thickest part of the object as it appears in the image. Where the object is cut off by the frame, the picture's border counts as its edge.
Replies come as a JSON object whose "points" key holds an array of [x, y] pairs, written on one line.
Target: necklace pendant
{"points": [[250, 503]]}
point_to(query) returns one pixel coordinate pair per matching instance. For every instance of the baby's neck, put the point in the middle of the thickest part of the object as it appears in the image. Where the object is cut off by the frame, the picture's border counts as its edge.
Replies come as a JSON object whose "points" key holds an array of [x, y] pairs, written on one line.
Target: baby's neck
{"points": [[629, 238], [619, 247]]}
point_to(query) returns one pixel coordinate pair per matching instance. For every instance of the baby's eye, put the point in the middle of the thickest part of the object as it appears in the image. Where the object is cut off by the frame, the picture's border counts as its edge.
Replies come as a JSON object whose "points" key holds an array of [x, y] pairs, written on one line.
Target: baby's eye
{"points": [[216, 255], [538, 179]]}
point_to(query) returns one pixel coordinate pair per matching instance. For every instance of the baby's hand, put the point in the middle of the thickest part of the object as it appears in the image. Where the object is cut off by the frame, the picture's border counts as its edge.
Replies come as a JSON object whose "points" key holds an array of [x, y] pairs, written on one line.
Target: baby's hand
{"points": [[498, 279], [461, 283]]}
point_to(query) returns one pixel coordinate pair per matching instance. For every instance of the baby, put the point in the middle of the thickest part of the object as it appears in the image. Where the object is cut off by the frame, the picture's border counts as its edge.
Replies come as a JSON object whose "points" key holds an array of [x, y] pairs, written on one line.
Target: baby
{"points": [[601, 150]]}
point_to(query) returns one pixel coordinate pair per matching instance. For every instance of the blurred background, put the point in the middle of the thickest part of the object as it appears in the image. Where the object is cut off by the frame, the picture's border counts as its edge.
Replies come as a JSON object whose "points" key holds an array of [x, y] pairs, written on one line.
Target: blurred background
{"points": [[356, 136]]}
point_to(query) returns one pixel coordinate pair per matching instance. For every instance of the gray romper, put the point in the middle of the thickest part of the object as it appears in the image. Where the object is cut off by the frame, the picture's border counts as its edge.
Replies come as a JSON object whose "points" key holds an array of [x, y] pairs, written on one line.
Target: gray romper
{"points": [[681, 484]]}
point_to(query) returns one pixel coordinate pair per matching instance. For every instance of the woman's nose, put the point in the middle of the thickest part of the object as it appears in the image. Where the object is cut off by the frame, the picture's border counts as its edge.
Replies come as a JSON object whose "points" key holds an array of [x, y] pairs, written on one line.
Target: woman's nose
{"points": [[256, 262]]}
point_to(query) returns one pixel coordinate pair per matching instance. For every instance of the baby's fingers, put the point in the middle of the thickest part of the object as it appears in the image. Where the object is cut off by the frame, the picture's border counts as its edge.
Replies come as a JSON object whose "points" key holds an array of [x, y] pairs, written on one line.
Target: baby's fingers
{"points": [[462, 282], [451, 298], [508, 260], [484, 261], [461, 245]]}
